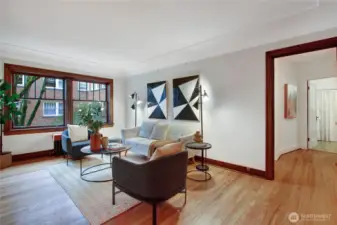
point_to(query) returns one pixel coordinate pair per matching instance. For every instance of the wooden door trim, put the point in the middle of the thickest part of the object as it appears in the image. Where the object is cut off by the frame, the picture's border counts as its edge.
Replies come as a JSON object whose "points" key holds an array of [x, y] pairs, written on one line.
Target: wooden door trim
{"points": [[270, 76]]}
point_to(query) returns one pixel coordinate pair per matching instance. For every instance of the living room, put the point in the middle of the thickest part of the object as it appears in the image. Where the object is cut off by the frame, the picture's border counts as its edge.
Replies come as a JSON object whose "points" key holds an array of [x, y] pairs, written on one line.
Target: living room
{"points": [[123, 48]]}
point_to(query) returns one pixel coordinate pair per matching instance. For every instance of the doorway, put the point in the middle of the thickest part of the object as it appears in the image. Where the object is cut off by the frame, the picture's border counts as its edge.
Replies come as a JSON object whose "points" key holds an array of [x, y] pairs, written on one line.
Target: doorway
{"points": [[322, 114], [270, 92]]}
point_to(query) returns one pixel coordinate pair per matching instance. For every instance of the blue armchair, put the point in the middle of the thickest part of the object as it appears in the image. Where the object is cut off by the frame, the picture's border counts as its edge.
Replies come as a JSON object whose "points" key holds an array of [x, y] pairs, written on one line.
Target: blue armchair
{"points": [[73, 149]]}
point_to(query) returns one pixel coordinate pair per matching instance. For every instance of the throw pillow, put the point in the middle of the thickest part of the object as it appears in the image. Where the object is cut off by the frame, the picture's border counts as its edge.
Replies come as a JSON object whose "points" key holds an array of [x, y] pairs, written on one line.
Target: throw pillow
{"points": [[159, 132], [146, 129], [168, 149], [77, 133]]}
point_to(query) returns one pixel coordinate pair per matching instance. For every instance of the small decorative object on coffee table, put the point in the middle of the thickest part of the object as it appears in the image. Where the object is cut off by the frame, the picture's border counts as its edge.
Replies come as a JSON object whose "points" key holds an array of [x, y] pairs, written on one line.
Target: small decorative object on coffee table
{"points": [[112, 149], [197, 137], [105, 142], [203, 167]]}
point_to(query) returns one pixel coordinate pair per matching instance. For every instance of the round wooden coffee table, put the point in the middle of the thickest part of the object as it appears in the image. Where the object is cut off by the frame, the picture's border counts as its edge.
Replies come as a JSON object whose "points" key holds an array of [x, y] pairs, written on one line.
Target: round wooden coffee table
{"points": [[112, 150]]}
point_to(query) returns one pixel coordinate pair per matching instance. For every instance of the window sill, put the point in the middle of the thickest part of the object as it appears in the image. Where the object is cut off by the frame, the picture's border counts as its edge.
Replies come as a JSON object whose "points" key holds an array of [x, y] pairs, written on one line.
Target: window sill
{"points": [[33, 130], [52, 88], [51, 116]]}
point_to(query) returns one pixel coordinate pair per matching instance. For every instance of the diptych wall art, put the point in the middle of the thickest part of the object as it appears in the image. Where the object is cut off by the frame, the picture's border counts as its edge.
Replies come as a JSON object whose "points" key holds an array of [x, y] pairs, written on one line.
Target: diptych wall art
{"points": [[290, 101], [186, 98], [157, 100]]}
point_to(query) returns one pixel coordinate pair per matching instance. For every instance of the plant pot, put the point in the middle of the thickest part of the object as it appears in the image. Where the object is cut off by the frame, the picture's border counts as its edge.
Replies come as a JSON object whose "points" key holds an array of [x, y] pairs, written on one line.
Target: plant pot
{"points": [[95, 142], [5, 160]]}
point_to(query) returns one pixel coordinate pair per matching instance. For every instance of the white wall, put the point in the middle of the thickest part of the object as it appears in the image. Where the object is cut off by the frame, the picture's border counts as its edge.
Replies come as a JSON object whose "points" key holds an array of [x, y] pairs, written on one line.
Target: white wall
{"points": [[286, 130], [309, 71], [26, 143], [235, 114]]}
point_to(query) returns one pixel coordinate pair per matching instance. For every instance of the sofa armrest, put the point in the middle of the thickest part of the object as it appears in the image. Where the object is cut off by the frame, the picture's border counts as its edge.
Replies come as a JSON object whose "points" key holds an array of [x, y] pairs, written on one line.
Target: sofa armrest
{"points": [[129, 133], [188, 139]]}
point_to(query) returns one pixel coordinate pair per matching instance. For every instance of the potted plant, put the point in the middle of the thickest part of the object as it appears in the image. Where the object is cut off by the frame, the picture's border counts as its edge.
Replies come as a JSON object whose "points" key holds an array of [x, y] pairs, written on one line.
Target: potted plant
{"points": [[8, 109], [90, 115]]}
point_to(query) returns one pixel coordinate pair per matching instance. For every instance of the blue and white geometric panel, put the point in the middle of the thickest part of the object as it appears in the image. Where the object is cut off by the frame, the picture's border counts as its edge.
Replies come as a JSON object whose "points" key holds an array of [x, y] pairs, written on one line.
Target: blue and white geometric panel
{"points": [[186, 98], [157, 100]]}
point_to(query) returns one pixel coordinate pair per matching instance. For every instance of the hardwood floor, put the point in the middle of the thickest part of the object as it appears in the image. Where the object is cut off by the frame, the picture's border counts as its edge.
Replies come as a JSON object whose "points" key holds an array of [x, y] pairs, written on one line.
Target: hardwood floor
{"points": [[305, 182]]}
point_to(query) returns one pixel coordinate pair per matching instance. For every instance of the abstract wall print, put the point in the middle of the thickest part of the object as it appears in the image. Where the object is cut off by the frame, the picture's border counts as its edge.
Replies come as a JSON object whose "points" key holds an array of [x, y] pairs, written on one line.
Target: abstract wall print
{"points": [[157, 100], [186, 98], [290, 101]]}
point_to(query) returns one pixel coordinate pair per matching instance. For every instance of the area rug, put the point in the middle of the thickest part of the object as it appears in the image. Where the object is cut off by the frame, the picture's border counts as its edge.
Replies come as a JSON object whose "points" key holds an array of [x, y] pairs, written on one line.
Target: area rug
{"points": [[93, 199], [36, 198]]}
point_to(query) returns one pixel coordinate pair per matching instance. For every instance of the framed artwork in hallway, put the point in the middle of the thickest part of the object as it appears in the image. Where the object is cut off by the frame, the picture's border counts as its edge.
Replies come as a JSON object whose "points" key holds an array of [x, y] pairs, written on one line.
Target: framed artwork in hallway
{"points": [[290, 101], [157, 100]]}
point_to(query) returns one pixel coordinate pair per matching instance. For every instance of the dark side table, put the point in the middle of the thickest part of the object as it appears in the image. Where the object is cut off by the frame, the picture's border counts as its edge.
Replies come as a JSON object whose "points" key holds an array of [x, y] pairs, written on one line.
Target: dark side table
{"points": [[203, 167]]}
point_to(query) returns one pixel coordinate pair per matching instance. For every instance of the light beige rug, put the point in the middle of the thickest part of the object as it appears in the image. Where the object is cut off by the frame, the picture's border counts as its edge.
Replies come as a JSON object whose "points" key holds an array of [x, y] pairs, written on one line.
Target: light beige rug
{"points": [[93, 199], [36, 198]]}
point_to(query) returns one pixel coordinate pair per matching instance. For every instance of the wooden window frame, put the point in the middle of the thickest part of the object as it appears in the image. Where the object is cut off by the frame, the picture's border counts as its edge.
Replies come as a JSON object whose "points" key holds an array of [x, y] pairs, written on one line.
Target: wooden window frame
{"points": [[11, 69]]}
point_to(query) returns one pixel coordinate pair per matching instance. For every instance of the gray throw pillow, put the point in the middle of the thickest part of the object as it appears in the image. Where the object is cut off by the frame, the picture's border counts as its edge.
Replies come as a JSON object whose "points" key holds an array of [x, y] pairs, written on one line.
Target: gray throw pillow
{"points": [[146, 129], [159, 132]]}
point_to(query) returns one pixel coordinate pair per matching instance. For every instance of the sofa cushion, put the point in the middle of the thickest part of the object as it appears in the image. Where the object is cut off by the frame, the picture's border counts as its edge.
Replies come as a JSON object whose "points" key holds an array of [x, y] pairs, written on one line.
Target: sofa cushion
{"points": [[177, 131], [146, 129], [159, 131], [168, 149], [139, 145], [77, 133]]}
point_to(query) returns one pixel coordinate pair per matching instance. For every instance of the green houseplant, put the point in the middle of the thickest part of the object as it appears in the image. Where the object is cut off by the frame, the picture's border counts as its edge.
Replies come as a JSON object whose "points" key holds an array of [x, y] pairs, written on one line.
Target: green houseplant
{"points": [[8, 109], [90, 115]]}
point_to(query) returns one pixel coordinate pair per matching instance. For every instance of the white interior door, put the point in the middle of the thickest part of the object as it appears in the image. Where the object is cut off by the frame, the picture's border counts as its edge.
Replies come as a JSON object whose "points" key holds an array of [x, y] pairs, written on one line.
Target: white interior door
{"points": [[312, 116]]}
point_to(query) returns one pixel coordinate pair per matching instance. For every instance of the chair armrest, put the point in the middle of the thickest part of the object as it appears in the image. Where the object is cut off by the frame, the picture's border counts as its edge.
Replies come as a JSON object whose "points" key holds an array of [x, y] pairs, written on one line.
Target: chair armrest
{"points": [[66, 143], [130, 133]]}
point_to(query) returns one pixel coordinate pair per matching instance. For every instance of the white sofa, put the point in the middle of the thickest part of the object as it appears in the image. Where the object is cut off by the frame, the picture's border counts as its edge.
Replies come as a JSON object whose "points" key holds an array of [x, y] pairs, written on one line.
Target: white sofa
{"points": [[140, 138]]}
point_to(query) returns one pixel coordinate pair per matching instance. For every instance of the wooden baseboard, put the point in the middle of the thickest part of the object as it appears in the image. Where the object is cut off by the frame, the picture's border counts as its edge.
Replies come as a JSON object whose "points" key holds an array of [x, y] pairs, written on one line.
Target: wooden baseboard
{"points": [[243, 169], [32, 155]]}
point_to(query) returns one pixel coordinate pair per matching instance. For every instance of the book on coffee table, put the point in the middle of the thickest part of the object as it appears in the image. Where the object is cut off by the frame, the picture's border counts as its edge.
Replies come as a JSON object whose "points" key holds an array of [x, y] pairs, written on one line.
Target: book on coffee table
{"points": [[115, 146]]}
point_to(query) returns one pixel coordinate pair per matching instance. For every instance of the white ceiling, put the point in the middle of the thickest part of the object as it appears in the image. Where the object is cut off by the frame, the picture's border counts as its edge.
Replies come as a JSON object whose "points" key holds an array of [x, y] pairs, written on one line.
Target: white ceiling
{"points": [[126, 37]]}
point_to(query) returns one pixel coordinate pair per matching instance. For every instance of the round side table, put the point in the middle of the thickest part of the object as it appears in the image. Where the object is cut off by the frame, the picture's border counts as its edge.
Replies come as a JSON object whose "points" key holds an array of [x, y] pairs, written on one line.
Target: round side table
{"points": [[203, 167]]}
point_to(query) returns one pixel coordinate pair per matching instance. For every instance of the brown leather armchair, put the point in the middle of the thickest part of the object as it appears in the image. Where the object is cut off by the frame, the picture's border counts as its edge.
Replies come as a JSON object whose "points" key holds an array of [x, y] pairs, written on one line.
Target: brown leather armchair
{"points": [[150, 181]]}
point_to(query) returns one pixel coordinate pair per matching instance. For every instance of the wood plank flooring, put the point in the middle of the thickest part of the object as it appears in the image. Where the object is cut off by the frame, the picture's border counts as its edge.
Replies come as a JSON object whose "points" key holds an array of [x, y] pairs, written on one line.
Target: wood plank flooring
{"points": [[36, 198], [305, 183]]}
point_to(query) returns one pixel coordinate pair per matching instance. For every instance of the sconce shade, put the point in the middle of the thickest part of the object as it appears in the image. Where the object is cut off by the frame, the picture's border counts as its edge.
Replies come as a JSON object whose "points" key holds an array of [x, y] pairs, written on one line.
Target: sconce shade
{"points": [[133, 95]]}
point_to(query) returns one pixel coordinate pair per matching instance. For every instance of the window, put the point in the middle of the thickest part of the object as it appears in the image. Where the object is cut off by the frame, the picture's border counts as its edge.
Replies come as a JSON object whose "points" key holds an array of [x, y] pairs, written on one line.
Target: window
{"points": [[51, 109], [82, 86], [39, 106], [54, 83], [51, 99], [94, 97], [20, 80]]}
